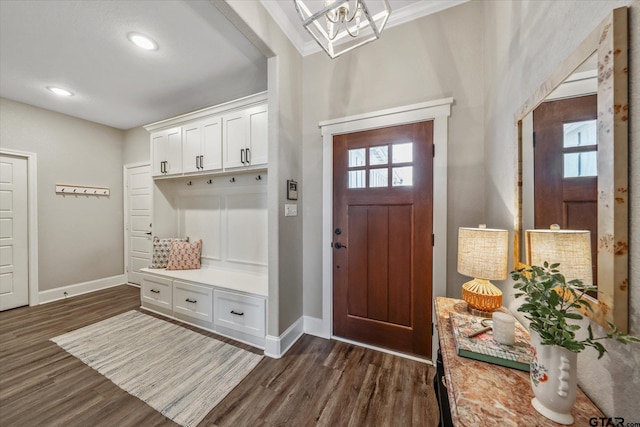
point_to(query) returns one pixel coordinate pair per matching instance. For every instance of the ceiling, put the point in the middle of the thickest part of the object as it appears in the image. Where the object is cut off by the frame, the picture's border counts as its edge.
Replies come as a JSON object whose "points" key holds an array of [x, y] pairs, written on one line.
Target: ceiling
{"points": [[202, 59], [285, 14]]}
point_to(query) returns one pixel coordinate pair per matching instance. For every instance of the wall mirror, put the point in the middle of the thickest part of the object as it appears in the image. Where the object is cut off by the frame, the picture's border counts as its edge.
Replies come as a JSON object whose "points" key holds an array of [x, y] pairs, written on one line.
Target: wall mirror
{"points": [[586, 173]]}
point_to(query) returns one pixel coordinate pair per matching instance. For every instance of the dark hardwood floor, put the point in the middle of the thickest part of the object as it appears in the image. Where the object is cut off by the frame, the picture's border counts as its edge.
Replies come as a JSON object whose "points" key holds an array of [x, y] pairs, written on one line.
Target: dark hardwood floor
{"points": [[318, 382]]}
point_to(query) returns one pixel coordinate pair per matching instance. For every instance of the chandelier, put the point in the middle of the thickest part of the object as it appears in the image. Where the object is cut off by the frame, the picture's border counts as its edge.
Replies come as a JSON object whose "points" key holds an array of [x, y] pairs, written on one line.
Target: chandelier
{"points": [[343, 25]]}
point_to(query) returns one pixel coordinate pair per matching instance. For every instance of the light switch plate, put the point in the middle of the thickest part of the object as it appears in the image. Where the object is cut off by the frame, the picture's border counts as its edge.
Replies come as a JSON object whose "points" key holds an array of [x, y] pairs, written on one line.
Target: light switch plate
{"points": [[290, 210]]}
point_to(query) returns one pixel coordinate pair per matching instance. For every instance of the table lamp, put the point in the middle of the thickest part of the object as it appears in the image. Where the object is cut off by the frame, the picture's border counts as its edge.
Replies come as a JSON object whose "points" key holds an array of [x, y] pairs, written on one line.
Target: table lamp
{"points": [[570, 248], [483, 255]]}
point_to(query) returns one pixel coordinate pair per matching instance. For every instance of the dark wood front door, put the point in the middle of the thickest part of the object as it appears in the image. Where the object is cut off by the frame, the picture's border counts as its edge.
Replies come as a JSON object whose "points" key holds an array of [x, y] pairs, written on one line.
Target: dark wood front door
{"points": [[382, 242], [565, 166]]}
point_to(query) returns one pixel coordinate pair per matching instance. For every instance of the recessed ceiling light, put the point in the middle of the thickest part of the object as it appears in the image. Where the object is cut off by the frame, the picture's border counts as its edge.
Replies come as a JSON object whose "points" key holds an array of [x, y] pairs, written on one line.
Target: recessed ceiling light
{"points": [[142, 41], [60, 91]]}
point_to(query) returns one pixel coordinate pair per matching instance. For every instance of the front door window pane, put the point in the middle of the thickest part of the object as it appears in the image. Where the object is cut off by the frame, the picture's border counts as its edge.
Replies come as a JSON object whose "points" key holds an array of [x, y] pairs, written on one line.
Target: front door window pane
{"points": [[580, 134], [581, 164], [357, 179], [379, 155], [402, 176], [357, 157], [379, 177], [402, 153]]}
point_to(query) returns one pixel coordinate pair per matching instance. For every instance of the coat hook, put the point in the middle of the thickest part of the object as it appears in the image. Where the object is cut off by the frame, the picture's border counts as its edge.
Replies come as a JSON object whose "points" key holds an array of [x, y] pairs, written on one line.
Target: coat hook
{"points": [[210, 181], [189, 183], [232, 179], [258, 178]]}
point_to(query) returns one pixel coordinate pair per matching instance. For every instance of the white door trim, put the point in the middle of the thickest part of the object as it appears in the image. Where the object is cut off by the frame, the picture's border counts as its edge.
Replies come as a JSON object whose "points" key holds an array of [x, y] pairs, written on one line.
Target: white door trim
{"points": [[32, 213], [125, 213], [438, 111]]}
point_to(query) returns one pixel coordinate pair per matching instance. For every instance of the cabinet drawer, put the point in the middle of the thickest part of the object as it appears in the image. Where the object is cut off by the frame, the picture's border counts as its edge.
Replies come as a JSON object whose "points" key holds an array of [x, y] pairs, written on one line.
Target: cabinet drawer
{"points": [[240, 313], [193, 300], [156, 291]]}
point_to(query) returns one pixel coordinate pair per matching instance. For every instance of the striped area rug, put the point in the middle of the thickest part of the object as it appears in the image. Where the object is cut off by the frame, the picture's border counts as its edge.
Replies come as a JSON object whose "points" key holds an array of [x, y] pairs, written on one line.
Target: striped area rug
{"points": [[178, 372]]}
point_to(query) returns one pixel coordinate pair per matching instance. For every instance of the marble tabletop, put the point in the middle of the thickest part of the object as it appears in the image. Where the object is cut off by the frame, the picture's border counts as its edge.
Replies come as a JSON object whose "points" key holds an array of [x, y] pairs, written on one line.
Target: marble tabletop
{"points": [[481, 393]]}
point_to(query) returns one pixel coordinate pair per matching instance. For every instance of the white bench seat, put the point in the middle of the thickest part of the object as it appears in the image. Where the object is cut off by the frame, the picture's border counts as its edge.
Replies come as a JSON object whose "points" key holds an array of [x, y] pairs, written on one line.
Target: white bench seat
{"points": [[251, 283]]}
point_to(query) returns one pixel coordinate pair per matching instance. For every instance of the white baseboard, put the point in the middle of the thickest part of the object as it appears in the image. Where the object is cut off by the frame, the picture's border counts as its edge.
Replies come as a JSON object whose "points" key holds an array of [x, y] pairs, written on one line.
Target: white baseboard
{"points": [[63, 292], [315, 326], [276, 347]]}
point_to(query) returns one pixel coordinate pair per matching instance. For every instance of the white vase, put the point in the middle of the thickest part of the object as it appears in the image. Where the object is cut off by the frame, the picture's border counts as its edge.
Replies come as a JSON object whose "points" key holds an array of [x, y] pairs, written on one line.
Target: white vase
{"points": [[554, 380]]}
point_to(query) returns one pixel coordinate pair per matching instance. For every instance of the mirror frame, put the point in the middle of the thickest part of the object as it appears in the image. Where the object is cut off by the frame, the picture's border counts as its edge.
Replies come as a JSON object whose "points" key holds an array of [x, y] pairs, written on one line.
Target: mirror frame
{"points": [[610, 41]]}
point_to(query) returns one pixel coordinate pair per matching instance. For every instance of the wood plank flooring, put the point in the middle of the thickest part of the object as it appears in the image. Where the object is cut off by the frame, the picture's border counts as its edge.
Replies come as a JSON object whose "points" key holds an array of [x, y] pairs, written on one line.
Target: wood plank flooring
{"points": [[318, 382]]}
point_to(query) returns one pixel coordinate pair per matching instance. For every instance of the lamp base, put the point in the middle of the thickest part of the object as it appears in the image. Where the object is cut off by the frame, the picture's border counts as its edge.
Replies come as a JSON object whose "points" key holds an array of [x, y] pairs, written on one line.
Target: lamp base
{"points": [[479, 313], [482, 296]]}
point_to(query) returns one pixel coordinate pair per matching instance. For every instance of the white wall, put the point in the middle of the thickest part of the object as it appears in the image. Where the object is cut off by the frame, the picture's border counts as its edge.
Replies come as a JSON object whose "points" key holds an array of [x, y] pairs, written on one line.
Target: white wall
{"points": [[433, 57], [525, 42], [285, 157], [136, 146], [79, 238]]}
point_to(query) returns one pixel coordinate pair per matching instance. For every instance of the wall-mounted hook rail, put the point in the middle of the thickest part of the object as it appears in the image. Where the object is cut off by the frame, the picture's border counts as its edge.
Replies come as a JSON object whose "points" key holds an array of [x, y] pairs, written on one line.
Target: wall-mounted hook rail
{"points": [[209, 181], [82, 189], [259, 178], [189, 183], [233, 179]]}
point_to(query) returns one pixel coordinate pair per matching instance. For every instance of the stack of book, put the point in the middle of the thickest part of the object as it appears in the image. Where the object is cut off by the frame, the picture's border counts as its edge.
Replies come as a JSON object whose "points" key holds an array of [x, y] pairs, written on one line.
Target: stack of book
{"points": [[483, 347]]}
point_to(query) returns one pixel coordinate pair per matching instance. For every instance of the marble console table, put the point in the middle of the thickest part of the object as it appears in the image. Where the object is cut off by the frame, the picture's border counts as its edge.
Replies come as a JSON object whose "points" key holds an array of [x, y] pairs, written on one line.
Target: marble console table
{"points": [[481, 393]]}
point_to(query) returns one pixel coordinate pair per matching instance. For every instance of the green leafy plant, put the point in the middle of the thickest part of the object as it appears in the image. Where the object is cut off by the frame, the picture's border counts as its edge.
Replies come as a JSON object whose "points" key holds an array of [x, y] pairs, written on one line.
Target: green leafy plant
{"points": [[551, 301]]}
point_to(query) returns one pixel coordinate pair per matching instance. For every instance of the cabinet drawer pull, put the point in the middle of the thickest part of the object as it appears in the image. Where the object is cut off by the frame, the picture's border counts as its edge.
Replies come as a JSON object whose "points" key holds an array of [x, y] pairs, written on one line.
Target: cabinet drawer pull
{"points": [[155, 291], [242, 156], [191, 300], [237, 313], [247, 155], [197, 162], [202, 162]]}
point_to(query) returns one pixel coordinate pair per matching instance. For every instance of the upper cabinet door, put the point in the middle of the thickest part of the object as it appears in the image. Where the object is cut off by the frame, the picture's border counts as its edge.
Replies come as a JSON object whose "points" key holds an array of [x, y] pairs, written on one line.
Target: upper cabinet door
{"points": [[258, 142], [174, 151], [211, 150], [235, 134], [191, 147], [158, 152]]}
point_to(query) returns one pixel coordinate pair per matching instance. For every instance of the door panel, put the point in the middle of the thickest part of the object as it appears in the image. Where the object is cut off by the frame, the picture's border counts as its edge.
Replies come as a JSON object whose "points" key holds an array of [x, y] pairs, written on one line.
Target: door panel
{"points": [[382, 244], [139, 221], [14, 245]]}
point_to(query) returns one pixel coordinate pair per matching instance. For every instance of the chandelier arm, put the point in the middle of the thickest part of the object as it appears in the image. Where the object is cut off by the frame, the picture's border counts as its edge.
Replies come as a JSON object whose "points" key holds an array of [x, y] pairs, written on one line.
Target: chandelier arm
{"points": [[355, 12], [330, 19], [349, 31]]}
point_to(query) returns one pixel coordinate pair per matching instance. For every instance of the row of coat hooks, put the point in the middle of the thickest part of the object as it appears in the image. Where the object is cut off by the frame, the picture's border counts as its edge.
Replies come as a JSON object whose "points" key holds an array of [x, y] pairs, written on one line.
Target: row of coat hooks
{"points": [[82, 190], [232, 180]]}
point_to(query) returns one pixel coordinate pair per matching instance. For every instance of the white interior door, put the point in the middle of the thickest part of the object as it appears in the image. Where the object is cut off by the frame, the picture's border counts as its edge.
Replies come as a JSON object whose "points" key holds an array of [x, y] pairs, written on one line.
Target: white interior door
{"points": [[14, 233], [138, 227]]}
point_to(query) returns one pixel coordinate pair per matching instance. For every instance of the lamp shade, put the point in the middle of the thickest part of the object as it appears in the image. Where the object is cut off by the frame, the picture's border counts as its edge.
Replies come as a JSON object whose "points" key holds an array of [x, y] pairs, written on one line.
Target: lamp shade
{"points": [[570, 248], [483, 253]]}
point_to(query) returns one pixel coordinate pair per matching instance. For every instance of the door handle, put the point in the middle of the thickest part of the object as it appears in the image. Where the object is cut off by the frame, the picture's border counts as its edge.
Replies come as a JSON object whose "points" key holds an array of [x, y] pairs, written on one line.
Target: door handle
{"points": [[247, 155], [197, 162], [242, 156], [339, 245], [202, 161]]}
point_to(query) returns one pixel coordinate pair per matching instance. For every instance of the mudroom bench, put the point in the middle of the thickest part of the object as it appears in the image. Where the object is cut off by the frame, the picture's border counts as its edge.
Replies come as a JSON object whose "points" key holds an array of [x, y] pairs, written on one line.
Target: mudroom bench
{"points": [[229, 303]]}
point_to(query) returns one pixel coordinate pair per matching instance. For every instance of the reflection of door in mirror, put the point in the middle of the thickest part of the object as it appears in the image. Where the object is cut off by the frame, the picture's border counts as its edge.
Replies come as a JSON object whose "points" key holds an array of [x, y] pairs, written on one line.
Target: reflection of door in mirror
{"points": [[566, 166]]}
